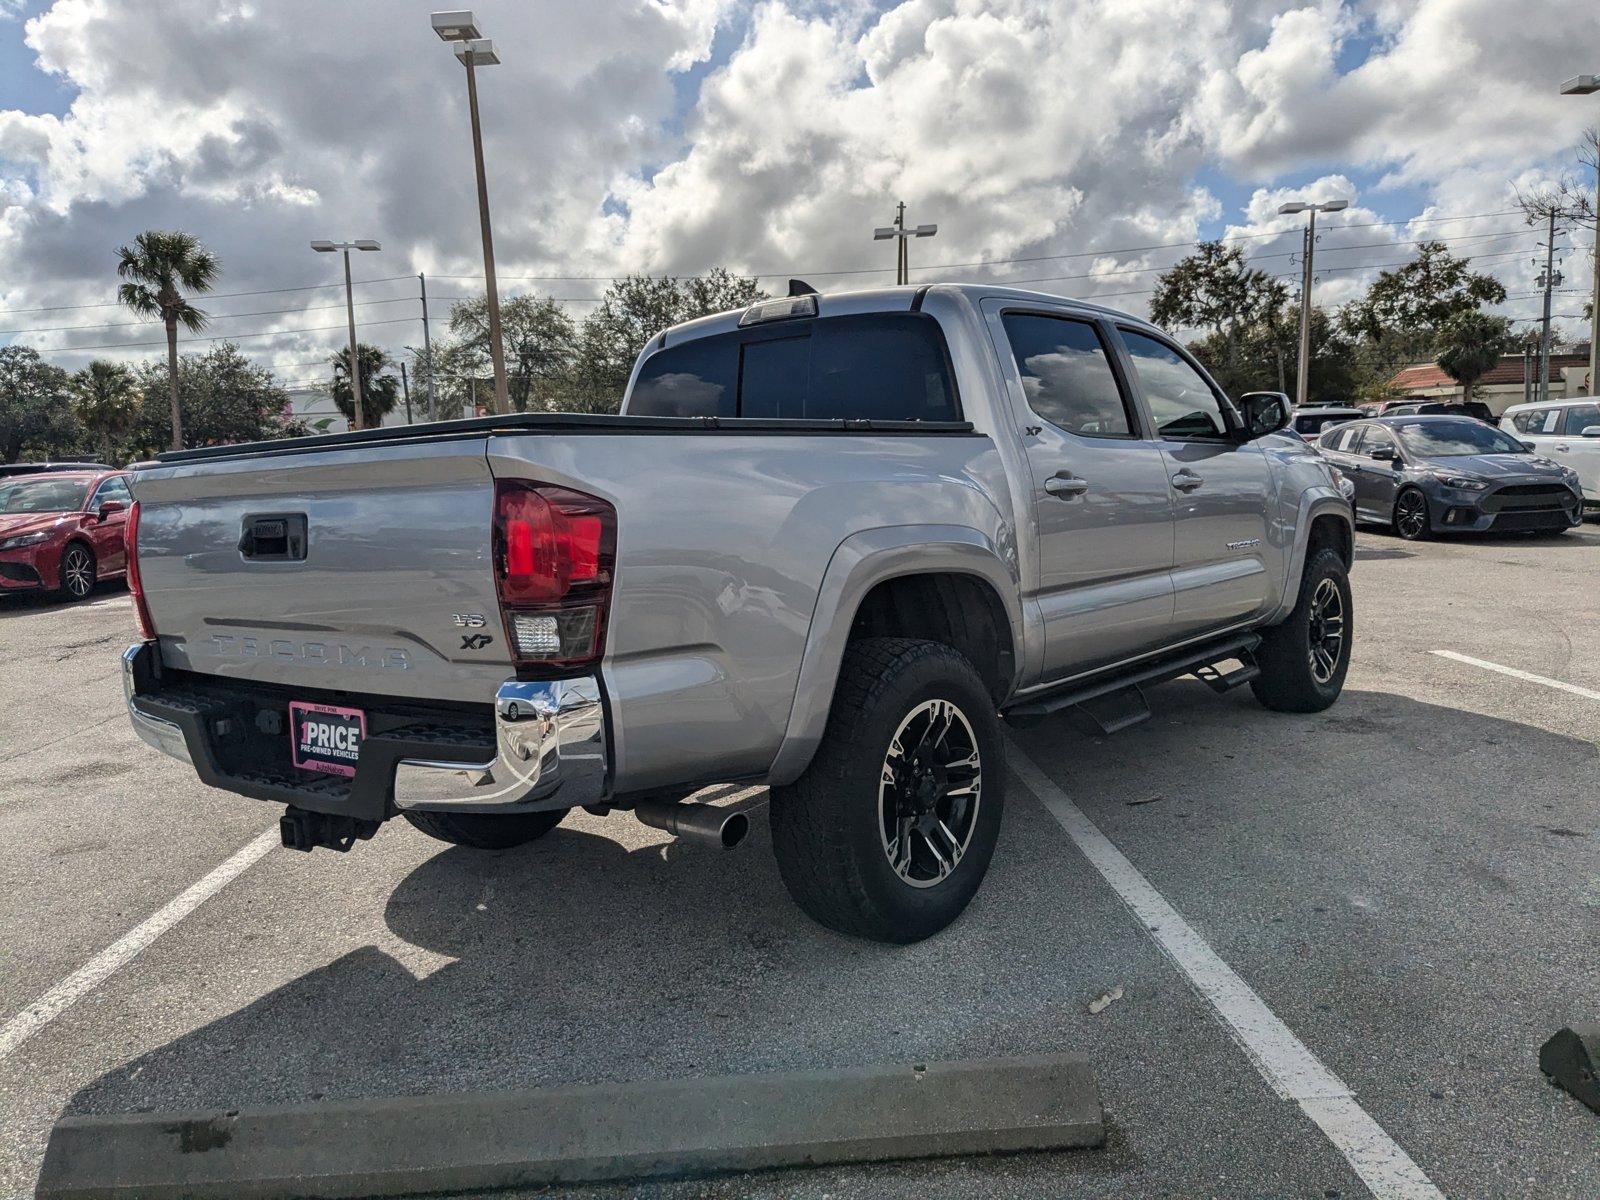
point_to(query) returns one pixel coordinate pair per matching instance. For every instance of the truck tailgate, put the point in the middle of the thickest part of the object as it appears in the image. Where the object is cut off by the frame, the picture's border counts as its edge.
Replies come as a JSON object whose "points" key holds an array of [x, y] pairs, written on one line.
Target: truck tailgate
{"points": [[390, 590]]}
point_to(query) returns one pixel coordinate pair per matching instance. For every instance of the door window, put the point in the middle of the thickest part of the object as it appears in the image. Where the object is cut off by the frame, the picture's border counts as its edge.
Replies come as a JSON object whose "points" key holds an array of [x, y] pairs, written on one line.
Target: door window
{"points": [[1538, 420], [111, 489], [1581, 417], [1342, 440], [1066, 375], [1183, 404]]}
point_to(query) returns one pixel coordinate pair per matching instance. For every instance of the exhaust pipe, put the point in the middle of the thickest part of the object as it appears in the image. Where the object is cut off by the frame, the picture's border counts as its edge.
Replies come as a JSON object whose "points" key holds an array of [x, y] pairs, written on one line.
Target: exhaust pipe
{"points": [[707, 824]]}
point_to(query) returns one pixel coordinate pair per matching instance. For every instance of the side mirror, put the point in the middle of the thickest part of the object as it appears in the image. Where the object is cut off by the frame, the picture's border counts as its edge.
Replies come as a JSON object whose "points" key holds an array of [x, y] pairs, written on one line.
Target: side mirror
{"points": [[1262, 413], [1590, 431], [1383, 454], [108, 507], [1530, 447]]}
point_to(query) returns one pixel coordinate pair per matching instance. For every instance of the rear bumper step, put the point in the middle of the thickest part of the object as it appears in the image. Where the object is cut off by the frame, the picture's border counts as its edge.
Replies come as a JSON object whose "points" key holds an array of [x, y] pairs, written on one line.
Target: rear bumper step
{"points": [[544, 747], [1115, 700]]}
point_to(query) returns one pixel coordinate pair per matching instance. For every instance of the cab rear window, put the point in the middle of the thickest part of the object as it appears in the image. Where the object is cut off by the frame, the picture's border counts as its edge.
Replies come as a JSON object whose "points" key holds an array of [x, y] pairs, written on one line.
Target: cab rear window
{"points": [[877, 366]]}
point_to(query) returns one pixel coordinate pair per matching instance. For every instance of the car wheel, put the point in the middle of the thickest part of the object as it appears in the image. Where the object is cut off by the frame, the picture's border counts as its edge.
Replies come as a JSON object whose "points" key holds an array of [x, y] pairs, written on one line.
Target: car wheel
{"points": [[486, 831], [890, 830], [77, 571], [1411, 520], [1304, 660]]}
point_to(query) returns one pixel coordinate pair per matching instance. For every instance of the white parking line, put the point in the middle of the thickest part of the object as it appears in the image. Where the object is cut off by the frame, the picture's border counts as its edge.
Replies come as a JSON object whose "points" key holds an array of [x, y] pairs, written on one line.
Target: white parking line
{"points": [[129, 946], [1526, 676], [1282, 1058]]}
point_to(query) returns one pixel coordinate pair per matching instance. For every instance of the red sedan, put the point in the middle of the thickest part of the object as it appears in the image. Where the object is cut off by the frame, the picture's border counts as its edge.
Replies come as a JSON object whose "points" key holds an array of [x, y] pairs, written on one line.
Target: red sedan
{"points": [[62, 532]]}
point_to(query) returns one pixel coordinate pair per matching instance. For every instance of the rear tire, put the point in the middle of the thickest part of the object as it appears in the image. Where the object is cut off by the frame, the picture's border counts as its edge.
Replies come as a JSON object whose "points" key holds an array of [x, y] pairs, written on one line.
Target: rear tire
{"points": [[890, 830], [486, 831], [1296, 672], [77, 572]]}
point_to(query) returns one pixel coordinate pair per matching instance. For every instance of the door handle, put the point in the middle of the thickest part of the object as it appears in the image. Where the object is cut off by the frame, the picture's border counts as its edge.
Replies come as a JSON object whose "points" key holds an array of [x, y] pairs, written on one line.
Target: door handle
{"points": [[1066, 486], [1186, 480], [1562, 446]]}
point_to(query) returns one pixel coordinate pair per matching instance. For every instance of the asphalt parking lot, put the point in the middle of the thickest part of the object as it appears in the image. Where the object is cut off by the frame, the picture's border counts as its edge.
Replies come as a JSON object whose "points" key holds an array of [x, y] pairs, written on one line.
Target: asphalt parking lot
{"points": [[1409, 882]]}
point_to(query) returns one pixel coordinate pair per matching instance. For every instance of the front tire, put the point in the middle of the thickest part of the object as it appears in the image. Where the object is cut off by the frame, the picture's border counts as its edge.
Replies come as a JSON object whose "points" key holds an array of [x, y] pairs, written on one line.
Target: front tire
{"points": [[890, 830], [1304, 660], [486, 831], [77, 572], [1411, 519]]}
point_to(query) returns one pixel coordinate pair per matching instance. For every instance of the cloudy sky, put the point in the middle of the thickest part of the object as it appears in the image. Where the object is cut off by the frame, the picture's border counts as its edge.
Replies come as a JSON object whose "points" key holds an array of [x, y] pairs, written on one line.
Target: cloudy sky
{"points": [[1072, 145]]}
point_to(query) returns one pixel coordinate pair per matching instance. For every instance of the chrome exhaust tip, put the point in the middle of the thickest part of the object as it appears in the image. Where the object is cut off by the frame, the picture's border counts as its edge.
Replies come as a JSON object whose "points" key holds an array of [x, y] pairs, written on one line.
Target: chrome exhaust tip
{"points": [[722, 828]]}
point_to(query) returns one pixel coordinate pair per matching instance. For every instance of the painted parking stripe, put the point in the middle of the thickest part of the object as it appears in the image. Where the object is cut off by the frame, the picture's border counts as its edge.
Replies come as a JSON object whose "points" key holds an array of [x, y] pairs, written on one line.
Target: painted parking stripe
{"points": [[129, 946], [1525, 676], [1282, 1058]]}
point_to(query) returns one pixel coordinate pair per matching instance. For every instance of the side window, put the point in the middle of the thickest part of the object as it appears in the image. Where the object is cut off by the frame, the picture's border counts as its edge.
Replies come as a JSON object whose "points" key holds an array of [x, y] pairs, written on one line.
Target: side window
{"points": [[1375, 437], [1581, 417], [1180, 400], [1519, 421], [1342, 439], [696, 379], [1066, 375], [111, 489]]}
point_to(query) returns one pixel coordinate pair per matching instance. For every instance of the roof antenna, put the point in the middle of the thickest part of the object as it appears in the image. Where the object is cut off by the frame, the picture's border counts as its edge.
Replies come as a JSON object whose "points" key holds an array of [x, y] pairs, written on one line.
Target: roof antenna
{"points": [[799, 287]]}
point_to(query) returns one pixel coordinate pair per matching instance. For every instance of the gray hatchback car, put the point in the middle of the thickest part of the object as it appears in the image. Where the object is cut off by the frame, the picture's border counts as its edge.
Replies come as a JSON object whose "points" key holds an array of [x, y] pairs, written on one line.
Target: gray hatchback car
{"points": [[1422, 475]]}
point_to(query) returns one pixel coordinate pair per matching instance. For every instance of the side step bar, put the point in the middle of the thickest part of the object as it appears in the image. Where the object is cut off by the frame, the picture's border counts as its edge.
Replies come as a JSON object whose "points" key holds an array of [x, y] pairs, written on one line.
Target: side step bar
{"points": [[1115, 702]]}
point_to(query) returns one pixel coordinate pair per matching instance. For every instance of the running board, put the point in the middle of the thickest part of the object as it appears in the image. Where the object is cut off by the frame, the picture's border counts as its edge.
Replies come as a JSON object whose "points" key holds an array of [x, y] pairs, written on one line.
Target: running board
{"points": [[1117, 701]]}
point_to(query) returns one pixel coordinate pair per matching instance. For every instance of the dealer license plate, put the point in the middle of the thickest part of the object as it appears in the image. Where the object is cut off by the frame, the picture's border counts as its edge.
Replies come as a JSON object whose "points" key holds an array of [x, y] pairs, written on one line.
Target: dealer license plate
{"points": [[326, 738]]}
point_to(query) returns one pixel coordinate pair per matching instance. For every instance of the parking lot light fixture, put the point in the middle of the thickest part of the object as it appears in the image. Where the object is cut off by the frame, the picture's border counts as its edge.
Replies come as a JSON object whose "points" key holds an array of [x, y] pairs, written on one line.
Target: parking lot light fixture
{"points": [[323, 246], [902, 260], [474, 50], [1302, 380], [1587, 85]]}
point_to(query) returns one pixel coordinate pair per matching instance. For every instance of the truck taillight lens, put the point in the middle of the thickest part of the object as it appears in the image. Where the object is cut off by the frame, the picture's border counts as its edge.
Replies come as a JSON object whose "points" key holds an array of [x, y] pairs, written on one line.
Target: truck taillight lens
{"points": [[130, 546], [554, 551]]}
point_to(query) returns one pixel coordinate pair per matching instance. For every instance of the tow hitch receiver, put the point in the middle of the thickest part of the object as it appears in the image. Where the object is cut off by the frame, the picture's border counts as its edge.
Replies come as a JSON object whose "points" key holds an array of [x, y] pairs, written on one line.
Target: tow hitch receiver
{"points": [[303, 830]]}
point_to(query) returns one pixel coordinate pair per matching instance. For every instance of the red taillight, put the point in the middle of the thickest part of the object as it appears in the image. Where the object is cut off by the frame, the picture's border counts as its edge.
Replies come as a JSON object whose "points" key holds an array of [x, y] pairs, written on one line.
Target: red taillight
{"points": [[554, 553], [130, 546]]}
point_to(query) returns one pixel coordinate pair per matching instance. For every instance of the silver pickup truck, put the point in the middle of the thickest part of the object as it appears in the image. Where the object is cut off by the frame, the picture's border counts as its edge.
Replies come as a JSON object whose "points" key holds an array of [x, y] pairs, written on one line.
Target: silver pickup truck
{"points": [[828, 545]]}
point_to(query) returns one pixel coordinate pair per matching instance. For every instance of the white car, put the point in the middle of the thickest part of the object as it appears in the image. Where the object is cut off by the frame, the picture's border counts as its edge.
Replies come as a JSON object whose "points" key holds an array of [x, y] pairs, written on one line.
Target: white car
{"points": [[1567, 431]]}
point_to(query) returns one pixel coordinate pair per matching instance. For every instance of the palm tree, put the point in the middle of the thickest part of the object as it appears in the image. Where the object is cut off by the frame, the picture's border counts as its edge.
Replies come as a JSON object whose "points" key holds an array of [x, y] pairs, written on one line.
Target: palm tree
{"points": [[379, 392], [1470, 344], [106, 400], [157, 265]]}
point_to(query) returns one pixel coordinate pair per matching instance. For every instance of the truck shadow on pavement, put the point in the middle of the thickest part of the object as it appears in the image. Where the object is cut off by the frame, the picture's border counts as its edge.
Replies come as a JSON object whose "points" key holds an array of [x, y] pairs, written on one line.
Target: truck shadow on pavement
{"points": [[578, 960]]}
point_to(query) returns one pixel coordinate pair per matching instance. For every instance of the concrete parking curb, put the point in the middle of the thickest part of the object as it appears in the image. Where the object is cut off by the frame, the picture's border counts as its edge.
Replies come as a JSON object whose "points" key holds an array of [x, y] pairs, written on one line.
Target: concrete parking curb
{"points": [[459, 1142]]}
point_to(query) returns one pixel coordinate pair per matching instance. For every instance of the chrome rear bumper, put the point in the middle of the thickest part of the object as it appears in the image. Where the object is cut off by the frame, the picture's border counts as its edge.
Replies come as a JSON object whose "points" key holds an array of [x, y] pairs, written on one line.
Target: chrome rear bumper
{"points": [[549, 751]]}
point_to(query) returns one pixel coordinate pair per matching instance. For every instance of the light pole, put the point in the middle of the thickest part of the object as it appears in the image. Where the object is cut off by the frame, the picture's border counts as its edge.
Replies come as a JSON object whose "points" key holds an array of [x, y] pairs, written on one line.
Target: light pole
{"points": [[1587, 85], [350, 312], [898, 231], [1302, 377], [476, 51]]}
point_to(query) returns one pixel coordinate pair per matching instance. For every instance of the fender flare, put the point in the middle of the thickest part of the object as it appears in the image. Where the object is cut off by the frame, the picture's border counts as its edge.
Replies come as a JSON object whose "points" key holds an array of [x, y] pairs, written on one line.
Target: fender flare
{"points": [[860, 563], [1314, 503]]}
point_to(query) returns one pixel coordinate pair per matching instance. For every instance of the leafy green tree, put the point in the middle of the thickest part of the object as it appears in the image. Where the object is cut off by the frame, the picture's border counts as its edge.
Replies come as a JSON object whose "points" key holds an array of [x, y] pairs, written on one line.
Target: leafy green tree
{"points": [[1213, 289], [227, 398], [1267, 357], [538, 338], [380, 391], [160, 267], [105, 398], [35, 407], [1469, 344], [1408, 305]]}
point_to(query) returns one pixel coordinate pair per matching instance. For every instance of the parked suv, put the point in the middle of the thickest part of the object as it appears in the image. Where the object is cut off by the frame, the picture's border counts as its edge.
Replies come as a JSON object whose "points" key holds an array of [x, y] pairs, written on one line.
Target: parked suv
{"points": [[1567, 431], [827, 545]]}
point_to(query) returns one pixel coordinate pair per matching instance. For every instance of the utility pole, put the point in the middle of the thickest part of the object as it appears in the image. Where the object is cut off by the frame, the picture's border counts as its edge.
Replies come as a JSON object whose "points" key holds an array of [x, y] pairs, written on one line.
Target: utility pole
{"points": [[1549, 280], [1302, 375], [899, 232], [427, 349], [327, 247], [405, 387]]}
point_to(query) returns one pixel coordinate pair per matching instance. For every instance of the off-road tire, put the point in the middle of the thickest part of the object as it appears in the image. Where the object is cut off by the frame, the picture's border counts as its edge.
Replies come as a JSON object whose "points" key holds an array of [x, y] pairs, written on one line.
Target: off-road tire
{"points": [[1287, 682], [69, 585], [826, 829], [486, 831]]}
